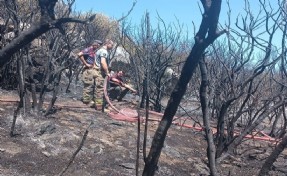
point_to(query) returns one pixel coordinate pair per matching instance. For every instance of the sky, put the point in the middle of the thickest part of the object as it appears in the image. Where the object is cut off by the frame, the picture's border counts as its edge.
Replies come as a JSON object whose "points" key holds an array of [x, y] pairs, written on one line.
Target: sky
{"points": [[186, 11]]}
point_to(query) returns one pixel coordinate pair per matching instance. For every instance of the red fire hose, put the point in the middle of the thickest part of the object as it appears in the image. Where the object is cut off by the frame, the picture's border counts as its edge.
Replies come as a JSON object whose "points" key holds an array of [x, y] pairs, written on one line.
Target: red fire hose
{"points": [[131, 115]]}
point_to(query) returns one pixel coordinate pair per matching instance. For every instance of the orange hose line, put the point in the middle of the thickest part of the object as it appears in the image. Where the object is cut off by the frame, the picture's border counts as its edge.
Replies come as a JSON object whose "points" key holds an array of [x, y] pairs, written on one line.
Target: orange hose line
{"points": [[264, 134], [46, 103], [9, 100]]}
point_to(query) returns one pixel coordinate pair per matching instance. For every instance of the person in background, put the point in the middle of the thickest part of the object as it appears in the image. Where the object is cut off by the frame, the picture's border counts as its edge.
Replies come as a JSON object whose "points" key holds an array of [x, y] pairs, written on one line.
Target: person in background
{"points": [[90, 72], [102, 61], [118, 88]]}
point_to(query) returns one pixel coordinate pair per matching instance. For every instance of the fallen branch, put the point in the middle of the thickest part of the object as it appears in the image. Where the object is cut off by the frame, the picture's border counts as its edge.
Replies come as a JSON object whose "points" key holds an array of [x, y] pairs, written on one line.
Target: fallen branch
{"points": [[78, 149]]}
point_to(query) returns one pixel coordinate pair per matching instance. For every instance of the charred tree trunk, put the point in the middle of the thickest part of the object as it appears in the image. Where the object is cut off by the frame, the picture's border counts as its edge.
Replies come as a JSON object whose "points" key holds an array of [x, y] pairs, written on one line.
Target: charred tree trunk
{"points": [[47, 22], [283, 130], [144, 93], [206, 35], [21, 96], [272, 157], [221, 138], [44, 84], [205, 113], [70, 77], [147, 74], [25, 38], [277, 115], [55, 93], [157, 106]]}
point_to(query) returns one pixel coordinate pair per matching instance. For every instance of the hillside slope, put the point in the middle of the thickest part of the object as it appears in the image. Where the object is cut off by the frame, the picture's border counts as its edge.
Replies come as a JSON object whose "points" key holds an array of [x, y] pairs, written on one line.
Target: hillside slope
{"points": [[44, 146]]}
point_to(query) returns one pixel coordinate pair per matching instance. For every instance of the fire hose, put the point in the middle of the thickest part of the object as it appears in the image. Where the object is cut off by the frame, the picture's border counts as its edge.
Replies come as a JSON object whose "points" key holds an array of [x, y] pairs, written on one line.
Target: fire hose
{"points": [[124, 115], [131, 115]]}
